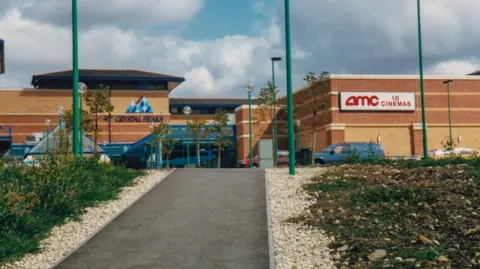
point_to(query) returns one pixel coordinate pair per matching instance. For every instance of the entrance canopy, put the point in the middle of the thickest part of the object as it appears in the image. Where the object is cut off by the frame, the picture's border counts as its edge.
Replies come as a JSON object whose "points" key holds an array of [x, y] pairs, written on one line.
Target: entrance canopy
{"points": [[52, 142]]}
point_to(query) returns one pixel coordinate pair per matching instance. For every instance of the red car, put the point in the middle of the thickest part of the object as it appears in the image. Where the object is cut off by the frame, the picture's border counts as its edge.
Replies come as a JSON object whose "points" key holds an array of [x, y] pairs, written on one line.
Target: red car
{"points": [[282, 160]]}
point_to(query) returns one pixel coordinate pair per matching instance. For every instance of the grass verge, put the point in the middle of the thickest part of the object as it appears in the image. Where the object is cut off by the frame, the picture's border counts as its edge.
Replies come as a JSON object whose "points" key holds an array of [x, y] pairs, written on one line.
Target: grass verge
{"points": [[35, 199]]}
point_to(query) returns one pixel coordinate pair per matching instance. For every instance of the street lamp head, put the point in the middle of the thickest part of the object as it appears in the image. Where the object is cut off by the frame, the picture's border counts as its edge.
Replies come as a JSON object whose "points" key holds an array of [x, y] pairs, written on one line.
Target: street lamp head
{"points": [[82, 88], [59, 110], [187, 110], [47, 122], [276, 59], [448, 81], [249, 87]]}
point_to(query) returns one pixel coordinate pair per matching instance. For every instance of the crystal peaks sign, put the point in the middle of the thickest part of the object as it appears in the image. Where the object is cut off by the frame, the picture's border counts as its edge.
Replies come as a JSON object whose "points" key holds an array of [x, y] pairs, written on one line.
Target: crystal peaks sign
{"points": [[141, 106]]}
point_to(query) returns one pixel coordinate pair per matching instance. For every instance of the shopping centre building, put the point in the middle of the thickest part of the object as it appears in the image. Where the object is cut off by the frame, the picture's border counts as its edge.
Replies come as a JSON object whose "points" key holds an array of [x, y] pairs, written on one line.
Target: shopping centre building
{"points": [[378, 108]]}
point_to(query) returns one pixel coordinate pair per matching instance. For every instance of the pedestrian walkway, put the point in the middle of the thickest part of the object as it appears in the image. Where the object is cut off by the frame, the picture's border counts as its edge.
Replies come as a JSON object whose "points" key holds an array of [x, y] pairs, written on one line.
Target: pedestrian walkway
{"points": [[195, 218]]}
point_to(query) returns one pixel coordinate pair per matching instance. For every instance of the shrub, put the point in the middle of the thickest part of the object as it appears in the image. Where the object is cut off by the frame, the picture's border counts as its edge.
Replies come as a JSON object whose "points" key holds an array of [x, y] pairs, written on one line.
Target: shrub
{"points": [[35, 199]]}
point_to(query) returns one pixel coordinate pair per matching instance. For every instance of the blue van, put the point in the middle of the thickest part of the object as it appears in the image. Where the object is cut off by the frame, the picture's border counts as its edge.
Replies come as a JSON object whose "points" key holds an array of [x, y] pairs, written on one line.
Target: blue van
{"points": [[339, 153]]}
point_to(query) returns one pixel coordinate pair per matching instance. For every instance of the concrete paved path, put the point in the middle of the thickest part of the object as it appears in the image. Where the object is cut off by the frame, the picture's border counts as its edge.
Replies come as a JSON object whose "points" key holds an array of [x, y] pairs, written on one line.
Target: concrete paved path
{"points": [[195, 218]]}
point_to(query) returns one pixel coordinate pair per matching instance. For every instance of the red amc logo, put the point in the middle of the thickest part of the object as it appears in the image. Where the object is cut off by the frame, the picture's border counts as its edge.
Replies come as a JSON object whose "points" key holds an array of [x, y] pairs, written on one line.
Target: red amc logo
{"points": [[362, 101]]}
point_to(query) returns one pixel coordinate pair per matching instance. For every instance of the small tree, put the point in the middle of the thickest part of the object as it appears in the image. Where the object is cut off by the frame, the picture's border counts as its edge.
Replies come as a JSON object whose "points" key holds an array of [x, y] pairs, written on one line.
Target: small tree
{"points": [[197, 130], [163, 133], [266, 102], [220, 129], [316, 85], [67, 117], [98, 104]]}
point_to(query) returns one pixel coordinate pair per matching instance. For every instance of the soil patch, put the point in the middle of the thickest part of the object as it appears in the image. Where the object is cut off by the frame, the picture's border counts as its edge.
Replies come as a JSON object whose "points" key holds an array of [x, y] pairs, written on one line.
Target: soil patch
{"points": [[395, 216]]}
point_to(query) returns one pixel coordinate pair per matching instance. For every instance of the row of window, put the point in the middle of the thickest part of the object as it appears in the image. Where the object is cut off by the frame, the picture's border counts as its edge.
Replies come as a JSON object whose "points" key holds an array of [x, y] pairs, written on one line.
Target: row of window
{"points": [[114, 86]]}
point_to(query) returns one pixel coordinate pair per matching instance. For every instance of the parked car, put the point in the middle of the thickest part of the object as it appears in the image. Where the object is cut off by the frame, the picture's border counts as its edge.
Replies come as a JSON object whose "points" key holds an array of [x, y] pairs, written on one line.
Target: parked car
{"points": [[282, 159], [245, 163], [339, 153]]}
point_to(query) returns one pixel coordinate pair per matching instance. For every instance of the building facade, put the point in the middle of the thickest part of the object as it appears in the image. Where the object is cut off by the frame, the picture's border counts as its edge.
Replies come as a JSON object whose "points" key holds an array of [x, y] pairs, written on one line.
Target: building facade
{"points": [[385, 109], [379, 108], [138, 98]]}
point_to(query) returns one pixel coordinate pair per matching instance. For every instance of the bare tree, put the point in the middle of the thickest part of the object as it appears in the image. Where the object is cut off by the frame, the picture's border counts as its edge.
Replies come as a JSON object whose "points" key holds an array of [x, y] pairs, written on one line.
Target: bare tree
{"points": [[266, 102], [197, 130], [163, 133], [98, 104], [219, 127], [317, 88]]}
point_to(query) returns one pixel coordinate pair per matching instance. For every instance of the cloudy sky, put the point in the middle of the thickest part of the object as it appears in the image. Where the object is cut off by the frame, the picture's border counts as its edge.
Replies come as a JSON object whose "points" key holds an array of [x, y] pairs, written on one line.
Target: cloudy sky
{"points": [[218, 45]]}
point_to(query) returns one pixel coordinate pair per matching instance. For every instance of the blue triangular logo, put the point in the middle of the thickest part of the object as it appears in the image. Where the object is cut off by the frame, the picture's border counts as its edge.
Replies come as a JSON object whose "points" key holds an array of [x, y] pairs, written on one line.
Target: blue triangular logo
{"points": [[141, 106]]}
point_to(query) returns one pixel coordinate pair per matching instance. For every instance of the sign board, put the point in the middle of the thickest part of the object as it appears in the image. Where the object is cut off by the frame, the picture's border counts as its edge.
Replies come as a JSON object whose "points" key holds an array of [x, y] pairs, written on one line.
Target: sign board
{"points": [[265, 153], [139, 119], [2, 57], [377, 101]]}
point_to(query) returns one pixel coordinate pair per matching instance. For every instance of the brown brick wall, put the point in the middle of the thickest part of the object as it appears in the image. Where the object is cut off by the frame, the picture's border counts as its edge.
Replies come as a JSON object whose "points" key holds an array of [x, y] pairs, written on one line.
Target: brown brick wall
{"points": [[46, 101], [26, 111], [395, 128]]}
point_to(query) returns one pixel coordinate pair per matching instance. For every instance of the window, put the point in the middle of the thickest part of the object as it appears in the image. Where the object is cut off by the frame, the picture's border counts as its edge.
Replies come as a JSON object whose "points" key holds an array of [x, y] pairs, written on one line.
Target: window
{"points": [[346, 149], [338, 149], [157, 86]]}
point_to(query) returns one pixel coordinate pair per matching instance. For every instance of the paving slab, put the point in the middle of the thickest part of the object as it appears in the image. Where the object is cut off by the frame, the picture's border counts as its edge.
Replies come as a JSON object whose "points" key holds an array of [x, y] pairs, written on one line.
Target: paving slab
{"points": [[195, 218]]}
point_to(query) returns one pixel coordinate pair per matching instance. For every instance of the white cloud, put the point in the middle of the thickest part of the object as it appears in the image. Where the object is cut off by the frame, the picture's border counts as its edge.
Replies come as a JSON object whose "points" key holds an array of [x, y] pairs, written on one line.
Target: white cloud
{"points": [[125, 12], [372, 36], [211, 68], [347, 36], [454, 67]]}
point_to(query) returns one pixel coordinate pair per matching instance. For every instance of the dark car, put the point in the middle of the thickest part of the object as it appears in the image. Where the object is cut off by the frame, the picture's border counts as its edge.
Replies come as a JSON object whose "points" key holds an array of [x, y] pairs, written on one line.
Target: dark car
{"points": [[340, 152]]}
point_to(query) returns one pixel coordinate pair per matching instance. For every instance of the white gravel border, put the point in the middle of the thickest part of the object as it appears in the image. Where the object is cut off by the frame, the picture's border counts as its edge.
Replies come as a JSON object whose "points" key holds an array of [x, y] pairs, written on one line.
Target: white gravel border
{"points": [[295, 246], [65, 239]]}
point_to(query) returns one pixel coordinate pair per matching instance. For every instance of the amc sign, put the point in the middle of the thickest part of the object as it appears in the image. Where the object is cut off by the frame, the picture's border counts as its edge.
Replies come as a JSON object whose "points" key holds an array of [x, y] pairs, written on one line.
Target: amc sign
{"points": [[377, 101]]}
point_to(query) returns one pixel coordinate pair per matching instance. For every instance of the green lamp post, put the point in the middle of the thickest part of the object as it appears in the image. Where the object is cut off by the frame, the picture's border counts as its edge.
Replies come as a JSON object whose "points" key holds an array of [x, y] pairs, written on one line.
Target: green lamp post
{"points": [[76, 121], [275, 135], [187, 111], [249, 87], [290, 123], [47, 127], [422, 91], [82, 88], [60, 123]]}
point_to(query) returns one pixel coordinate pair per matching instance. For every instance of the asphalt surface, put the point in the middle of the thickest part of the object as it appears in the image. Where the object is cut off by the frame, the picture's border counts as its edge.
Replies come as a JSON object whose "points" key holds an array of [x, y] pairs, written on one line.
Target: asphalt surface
{"points": [[195, 218]]}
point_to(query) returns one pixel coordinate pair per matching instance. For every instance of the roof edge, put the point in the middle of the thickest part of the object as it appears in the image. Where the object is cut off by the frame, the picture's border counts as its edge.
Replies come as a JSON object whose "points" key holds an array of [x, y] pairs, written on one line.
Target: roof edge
{"points": [[406, 77]]}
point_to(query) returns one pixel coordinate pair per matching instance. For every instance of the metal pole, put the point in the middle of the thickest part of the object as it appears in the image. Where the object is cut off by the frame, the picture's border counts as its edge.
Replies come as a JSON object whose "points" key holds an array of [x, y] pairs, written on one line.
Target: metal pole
{"points": [[151, 150], [188, 147], [48, 139], [298, 137], [291, 138], [81, 125], [250, 124], [422, 91], [110, 118], [61, 134], [75, 136], [449, 115], [275, 139]]}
